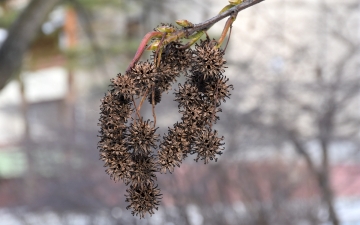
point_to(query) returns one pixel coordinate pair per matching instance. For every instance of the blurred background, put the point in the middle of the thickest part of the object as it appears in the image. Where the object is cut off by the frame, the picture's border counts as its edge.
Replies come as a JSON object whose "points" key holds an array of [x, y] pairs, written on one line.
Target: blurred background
{"points": [[291, 126]]}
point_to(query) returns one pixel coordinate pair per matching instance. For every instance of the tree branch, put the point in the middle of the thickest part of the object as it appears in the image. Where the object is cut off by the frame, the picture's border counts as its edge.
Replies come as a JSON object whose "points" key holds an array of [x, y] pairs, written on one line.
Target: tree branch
{"points": [[196, 29], [210, 22], [21, 34]]}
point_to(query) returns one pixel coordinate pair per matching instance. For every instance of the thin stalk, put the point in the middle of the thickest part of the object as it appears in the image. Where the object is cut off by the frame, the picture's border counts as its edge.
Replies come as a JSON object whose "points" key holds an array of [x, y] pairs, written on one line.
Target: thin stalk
{"points": [[137, 111], [142, 100], [228, 25], [228, 38], [159, 50], [142, 47]]}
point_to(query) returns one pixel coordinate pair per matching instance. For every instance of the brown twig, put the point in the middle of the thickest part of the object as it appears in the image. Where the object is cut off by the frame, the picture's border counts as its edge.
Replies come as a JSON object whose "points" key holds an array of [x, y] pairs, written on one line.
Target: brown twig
{"points": [[137, 111], [210, 22], [142, 100]]}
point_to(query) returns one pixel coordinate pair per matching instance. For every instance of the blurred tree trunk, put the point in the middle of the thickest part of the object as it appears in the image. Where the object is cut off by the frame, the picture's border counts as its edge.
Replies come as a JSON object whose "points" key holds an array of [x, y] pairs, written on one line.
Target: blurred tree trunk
{"points": [[321, 174], [21, 34], [30, 176]]}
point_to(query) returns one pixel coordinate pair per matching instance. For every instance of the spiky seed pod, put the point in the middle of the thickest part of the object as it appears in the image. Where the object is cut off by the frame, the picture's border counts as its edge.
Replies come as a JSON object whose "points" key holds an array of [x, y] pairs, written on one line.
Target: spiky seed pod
{"points": [[208, 145], [197, 79], [166, 77], [115, 109], [112, 120], [142, 137], [143, 170], [144, 75], [208, 61], [124, 85], [157, 96], [199, 116], [169, 68], [174, 148], [143, 200], [218, 89], [178, 58], [119, 167], [187, 95]]}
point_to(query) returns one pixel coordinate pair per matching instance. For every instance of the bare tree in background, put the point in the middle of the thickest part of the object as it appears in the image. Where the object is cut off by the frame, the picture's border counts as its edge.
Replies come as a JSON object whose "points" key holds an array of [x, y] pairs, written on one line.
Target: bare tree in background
{"points": [[312, 100], [21, 34]]}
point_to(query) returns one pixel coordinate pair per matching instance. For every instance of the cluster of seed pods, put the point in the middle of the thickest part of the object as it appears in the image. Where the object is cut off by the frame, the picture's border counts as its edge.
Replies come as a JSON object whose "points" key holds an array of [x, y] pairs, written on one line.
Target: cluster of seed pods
{"points": [[129, 145]]}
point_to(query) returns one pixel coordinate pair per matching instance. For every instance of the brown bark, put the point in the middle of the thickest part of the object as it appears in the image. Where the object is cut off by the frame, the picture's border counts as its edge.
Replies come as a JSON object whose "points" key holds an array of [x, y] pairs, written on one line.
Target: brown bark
{"points": [[325, 185], [21, 34]]}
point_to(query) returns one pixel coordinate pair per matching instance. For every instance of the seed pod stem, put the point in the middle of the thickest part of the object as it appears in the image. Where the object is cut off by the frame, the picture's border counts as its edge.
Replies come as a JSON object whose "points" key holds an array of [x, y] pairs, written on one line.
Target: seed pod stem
{"points": [[228, 26], [142, 47], [142, 100], [159, 50], [137, 111]]}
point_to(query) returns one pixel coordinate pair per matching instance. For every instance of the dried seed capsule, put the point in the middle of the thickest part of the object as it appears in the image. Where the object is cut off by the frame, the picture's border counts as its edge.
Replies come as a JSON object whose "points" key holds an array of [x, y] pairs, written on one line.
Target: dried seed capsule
{"points": [[208, 61], [143, 200], [188, 95], [208, 145], [143, 170], [176, 57], [218, 89], [142, 137], [174, 148], [124, 85]]}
